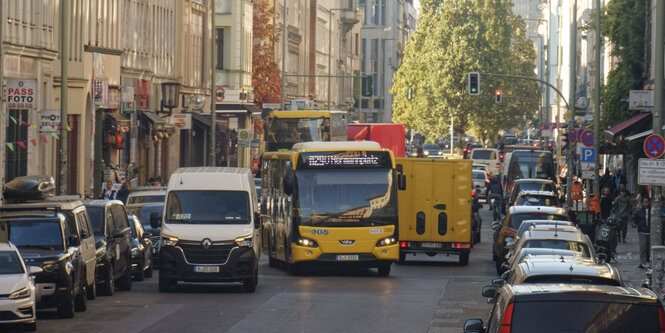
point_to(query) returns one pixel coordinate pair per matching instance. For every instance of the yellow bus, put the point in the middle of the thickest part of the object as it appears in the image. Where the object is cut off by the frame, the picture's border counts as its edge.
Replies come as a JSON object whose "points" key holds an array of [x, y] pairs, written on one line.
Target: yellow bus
{"points": [[330, 202], [286, 128]]}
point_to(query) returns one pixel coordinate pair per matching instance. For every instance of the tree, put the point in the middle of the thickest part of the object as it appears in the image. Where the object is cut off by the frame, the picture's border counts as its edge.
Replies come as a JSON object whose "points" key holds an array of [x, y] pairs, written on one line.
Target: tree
{"points": [[453, 38], [265, 72]]}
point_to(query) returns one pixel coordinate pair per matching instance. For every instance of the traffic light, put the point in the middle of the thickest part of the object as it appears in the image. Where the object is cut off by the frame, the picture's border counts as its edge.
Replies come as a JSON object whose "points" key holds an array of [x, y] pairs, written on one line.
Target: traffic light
{"points": [[367, 86], [474, 83], [498, 95]]}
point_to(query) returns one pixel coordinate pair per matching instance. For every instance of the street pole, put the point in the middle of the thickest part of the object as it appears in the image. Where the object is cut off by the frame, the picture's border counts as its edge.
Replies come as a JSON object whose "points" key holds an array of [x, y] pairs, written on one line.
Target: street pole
{"points": [[329, 55], [596, 106], [64, 62], [213, 98], [452, 142], [572, 56], [657, 118], [283, 101]]}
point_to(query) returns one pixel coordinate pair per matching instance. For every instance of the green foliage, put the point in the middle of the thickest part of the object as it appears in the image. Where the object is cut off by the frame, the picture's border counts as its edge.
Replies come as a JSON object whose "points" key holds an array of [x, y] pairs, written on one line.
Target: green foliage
{"points": [[622, 23], [453, 38]]}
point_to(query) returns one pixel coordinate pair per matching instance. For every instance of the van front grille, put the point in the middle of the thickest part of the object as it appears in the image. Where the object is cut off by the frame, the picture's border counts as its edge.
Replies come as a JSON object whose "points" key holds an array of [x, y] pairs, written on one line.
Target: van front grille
{"points": [[215, 254]]}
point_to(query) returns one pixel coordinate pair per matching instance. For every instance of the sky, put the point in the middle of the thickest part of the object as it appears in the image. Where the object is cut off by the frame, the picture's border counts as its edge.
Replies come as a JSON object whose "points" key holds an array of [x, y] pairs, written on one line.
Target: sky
{"points": [[416, 4]]}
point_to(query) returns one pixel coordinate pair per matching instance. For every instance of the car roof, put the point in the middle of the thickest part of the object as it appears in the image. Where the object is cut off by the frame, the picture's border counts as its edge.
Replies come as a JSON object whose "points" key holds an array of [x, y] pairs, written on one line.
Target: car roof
{"points": [[56, 202], [480, 164], [101, 202], [547, 222], [578, 292], [570, 268], [565, 235], [532, 180], [493, 149], [161, 191], [536, 209], [553, 227]]}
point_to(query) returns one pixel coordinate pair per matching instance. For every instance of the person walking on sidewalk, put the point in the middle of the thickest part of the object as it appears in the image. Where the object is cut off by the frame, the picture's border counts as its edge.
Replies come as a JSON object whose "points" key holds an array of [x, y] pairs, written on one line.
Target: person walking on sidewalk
{"points": [[621, 209], [642, 219], [605, 203]]}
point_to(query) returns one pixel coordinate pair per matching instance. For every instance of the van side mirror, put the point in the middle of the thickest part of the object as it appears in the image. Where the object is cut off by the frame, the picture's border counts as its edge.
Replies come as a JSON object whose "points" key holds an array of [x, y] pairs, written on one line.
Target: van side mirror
{"points": [[154, 220], [474, 326], [73, 240], [257, 220]]}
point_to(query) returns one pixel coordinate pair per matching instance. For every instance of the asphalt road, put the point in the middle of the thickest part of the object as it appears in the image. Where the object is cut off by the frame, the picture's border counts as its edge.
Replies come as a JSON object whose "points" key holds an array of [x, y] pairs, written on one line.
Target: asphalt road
{"points": [[426, 294]]}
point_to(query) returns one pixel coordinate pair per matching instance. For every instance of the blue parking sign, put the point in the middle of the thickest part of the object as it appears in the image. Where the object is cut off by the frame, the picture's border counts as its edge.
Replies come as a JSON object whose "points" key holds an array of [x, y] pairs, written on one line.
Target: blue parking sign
{"points": [[588, 155]]}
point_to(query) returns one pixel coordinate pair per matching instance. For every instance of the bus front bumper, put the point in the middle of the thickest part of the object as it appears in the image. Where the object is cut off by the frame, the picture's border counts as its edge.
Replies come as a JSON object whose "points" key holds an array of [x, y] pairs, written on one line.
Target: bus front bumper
{"points": [[378, 254]]}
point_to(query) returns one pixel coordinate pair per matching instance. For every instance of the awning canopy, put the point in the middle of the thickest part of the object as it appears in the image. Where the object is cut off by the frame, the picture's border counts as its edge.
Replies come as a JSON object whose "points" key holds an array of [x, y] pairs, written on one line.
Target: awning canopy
{"points": [[640, 135], [157, 122], [236, 108], [627, 125], [205, 121]]}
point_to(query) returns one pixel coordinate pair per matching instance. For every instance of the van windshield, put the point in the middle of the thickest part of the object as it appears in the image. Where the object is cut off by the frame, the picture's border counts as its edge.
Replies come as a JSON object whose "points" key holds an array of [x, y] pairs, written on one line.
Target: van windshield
{"points": [[562, 316], [483, 154], [207, 207]]}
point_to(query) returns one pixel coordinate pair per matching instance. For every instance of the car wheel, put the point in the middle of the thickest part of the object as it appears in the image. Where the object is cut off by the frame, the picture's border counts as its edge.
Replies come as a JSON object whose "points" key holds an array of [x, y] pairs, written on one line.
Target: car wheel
{"points": [[402, 257], [384, 269], [81, 302], [165, 283], [125, 281], [249, 285], [463, 259], [30, 327], [150, 269], [66, 310], [108, 287], [499, 269], [477, 236], [140, 272]]}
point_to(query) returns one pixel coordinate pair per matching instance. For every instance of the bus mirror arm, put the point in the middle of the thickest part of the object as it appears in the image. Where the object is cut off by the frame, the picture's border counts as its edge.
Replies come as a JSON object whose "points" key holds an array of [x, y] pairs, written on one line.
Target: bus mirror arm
{"points": [[401, 181]]}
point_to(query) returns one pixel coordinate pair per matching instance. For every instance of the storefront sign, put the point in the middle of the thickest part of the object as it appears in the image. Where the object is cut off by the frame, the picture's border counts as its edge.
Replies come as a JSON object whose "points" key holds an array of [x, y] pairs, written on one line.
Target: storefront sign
{"points": [[49, 121], [100, 92], [21, 94], [651, 172], [182, 121], [244, 138]]}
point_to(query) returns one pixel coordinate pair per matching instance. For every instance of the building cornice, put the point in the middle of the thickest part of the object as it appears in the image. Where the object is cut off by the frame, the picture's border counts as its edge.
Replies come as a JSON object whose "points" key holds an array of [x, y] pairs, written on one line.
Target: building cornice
{"points": [[104, 50]]}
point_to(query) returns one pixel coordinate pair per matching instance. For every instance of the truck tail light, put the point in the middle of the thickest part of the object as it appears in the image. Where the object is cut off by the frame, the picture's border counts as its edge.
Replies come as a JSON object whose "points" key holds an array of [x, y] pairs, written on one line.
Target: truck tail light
{"points": [[461, 245], [507, 320], [402, 244], [661, 319]]}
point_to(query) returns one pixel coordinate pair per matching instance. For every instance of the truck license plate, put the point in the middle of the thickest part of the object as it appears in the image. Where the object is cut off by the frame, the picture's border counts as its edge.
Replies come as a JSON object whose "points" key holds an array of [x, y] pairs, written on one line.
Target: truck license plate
{"points": [[431, 245], [206, 269], [347, 257]]}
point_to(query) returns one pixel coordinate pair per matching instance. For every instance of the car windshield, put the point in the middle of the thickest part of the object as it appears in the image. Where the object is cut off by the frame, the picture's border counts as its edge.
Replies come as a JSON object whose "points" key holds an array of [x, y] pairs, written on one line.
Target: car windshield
{"points": [[558, 244], [339, 197], [572, 279], [146, 198], [41, 234], [483, 154], [584, 316], [96, 215], [525, 226], [538, 200], [10, 263], [431, 146], [517, 219], [208, 207], [536, 186], [479, 175]]}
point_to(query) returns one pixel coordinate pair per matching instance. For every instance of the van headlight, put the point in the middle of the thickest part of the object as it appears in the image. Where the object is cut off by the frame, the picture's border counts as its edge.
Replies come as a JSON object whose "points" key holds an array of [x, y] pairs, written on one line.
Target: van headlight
{"points": [[22, 293], [307, 242], [169, 241], [49, 266], [244, 241], [386, 241]]}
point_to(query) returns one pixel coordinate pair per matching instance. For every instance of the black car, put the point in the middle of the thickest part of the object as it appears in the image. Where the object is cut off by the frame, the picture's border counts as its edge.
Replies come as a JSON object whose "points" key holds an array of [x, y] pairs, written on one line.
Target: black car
{"points": [[113, 244], [142, 262], [570, 308], [142, 212]]}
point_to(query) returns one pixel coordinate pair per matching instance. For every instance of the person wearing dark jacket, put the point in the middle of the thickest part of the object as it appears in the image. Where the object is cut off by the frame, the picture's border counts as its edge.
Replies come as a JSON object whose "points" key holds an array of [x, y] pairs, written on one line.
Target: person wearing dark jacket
{"points": [[621, 209], [494, 191], [605, 203], [642, 219], [123, 193]]}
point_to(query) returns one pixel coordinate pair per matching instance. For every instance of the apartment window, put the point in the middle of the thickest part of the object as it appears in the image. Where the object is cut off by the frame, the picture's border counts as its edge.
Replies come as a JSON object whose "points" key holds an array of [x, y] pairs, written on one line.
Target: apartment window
{"points": [[364, 55], [219, 41], [356, 43]]}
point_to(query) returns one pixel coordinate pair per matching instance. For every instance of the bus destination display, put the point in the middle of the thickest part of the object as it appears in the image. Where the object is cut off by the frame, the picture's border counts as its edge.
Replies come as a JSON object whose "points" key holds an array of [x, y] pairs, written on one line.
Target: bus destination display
{"points": [[354, 159]]}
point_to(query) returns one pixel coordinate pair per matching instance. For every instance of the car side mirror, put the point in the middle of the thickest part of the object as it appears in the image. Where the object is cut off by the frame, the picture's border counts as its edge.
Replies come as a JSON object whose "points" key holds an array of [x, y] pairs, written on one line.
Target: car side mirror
{"points": [[73, 240], [474, 326], [496, 225], [498, 282], [34, 270], [147, 235], [154, 220], [601, 257], [489, 291]]}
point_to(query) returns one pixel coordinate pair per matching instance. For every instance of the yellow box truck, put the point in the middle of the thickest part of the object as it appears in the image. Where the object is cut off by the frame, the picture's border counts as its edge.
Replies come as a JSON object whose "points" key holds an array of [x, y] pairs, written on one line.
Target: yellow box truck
{"points": [[435, 207]]}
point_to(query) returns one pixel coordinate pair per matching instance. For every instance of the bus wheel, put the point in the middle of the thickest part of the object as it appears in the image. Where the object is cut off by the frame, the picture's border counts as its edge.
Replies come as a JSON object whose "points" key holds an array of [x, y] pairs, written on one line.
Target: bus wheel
{"points": [[294, 268], [384, 269]]}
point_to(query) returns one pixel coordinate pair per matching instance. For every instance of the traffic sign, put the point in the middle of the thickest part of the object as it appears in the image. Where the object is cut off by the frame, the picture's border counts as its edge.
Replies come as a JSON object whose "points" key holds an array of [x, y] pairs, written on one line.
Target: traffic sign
{"points": [[587, 138], [588, 155], [654, 146], [651, 172], [572, 135], [220, 93]]}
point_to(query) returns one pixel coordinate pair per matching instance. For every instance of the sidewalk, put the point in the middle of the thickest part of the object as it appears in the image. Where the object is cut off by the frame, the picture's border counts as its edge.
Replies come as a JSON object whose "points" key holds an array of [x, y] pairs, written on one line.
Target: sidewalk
{"points": [[628, 257]]}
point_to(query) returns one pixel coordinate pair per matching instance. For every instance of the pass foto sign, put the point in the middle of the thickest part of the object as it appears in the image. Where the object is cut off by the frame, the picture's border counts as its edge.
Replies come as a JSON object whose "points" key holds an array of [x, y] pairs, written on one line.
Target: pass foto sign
{"points": [[21, 94]]}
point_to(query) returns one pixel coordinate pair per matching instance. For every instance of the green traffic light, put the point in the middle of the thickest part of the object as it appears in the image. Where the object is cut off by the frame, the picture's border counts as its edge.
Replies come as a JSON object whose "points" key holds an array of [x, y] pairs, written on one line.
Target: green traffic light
{"points": [[473, 90]]}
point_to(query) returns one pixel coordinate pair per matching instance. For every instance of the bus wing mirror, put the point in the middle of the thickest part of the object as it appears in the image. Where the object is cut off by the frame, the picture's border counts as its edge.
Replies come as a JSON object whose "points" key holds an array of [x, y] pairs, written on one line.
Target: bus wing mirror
{"points": [[289, 180], [401, 181]]}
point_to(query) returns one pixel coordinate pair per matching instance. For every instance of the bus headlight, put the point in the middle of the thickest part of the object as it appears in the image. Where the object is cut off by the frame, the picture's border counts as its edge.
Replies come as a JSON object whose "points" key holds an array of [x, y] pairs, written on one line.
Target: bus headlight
{"points": [[386, 241], [169, 241], [307, 242], [244, 241]]}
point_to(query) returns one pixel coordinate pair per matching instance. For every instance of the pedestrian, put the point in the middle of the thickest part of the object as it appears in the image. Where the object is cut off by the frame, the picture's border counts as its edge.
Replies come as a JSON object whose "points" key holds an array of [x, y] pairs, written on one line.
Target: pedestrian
{"points": [[606, 179], [605, 203], [621, 209], [617, 192], [642, 220], [123, 193], [109, 193]]}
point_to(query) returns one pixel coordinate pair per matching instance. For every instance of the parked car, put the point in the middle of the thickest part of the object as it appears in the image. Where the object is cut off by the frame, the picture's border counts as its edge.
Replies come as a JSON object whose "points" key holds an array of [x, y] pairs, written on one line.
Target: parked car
{"points": [[480, 182], [540, 253], [17, 287], [570, 308], [537, 198], [529, 184], [560, 270], [432, 150], [143, 212], [541, 223], [142, 262], [113, 244], [147, 194]]}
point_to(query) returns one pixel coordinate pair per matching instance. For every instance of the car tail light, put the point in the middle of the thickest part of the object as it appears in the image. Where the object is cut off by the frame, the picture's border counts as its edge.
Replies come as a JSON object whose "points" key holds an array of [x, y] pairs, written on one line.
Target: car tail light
{"points": [[501, 156], [461, 245], [498, 166], [402, 244], [473, 193], [661, 319], [507, 320]]}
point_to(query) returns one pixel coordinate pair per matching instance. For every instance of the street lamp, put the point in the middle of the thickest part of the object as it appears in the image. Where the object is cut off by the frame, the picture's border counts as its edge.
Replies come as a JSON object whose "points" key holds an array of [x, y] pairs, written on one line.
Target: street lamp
{"points": [[170, 94]]}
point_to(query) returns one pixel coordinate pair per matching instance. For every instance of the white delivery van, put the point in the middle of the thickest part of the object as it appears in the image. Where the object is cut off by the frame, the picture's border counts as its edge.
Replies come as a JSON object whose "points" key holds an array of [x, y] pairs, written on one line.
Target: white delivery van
{"points": [[489, 156], [209, 228]]}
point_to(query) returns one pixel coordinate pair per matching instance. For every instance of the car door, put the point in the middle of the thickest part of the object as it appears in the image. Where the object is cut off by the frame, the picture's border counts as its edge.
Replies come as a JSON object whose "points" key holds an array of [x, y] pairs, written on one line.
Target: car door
{"points": [[87, 246], [123, 241], [73, 250]]}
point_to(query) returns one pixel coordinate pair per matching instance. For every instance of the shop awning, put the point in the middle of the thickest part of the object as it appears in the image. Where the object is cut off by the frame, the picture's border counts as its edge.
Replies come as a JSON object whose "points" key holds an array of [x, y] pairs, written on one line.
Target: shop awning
{"points": [[640, 135], [157, 122], [236, 108], [203, 120], [121, 121], [625, 126]]}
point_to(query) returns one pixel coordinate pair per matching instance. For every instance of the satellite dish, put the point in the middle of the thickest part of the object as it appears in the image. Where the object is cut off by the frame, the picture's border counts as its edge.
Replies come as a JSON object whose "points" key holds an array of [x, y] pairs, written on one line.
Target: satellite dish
{"points": [[197, 101]]}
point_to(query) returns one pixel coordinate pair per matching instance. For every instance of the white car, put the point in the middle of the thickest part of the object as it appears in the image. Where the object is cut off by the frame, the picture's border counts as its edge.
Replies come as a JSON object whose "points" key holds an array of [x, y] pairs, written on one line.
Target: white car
{"points": [[17, 289]]}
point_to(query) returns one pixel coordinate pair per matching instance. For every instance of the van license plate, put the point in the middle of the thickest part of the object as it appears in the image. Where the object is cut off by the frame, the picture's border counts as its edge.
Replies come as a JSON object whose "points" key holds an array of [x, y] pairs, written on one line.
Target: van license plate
{"points": [[206, 269], [347, 257], [431, 245]]}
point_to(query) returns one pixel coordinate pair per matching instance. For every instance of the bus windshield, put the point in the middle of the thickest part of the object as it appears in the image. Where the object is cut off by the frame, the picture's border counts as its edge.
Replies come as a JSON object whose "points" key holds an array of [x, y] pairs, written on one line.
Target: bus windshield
{"points": [[346, 197], [283, 133]]}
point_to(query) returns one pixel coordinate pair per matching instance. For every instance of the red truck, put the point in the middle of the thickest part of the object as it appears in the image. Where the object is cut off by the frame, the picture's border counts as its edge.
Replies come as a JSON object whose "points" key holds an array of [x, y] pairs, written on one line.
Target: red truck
{"points": [[391, 136]]}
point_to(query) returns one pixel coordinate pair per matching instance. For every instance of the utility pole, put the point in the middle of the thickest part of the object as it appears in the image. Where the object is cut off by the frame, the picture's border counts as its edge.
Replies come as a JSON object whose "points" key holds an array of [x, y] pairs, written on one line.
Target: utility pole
{"points": [[213, 98], [283, 101], [596, 105], [572, 56], [659, 53], [329, 56], [64, 62]]}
